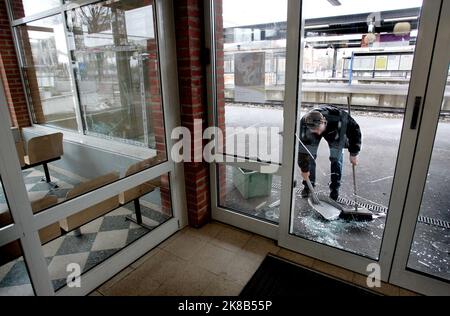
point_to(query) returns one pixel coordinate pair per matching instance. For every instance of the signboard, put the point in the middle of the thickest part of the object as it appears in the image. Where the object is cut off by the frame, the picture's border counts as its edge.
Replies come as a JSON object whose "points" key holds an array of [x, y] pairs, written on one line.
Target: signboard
{"points": [[364, 63], [393, 62], [249, 77], [406, 62], [381, 63]]}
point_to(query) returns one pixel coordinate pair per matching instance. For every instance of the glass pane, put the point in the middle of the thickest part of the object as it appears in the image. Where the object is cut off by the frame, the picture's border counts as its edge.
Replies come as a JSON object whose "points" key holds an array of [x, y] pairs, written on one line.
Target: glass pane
{"points": [[14, 277], [115, 49], [5, 215], [25, 8], [118, 70], [431, 244], [249, 192], [46, 69], [250, 65], [93, 235], [358, 56]]}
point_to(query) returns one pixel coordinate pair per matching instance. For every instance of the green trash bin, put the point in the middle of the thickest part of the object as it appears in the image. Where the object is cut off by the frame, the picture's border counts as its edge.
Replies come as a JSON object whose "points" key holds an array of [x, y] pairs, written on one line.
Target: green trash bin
{"points": [[252, 184]]}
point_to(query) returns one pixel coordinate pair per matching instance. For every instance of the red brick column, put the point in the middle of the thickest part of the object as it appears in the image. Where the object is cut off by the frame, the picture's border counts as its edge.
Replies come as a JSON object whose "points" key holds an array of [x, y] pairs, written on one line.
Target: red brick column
{"points": [[192, 85], [10, 73]]}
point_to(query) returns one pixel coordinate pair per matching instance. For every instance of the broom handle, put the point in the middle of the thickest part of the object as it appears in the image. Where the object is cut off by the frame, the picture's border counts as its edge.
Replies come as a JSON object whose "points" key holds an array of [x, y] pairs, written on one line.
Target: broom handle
{"points": [[353, 166], [354, 187]]}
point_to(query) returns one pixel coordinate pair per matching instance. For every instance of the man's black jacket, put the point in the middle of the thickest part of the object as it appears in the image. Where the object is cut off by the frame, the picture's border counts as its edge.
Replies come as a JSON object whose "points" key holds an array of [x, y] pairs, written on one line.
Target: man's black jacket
{"points": [[342, 132]]}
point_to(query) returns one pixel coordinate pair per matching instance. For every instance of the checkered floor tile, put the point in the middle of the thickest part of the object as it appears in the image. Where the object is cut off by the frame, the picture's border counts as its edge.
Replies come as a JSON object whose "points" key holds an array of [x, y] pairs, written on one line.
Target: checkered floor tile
{"points": [[99, 240], [37, 188]]}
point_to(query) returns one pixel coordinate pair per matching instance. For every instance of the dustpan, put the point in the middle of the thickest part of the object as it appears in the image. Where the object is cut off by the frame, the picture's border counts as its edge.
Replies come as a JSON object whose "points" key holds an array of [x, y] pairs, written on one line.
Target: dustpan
{"points": [[331, 210], [327, 208]]}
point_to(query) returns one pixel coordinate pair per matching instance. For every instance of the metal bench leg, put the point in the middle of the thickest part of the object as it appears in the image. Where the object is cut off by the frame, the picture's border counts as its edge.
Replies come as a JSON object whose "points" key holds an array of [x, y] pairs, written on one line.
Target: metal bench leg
{"points": [[137, 209], [47, 177], [138, 220], [47, 173]]}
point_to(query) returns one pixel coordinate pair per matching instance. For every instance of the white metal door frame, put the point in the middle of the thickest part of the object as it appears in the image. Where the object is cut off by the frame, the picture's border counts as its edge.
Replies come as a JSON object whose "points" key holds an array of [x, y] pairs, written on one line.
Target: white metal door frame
{"points": [[417, 89], [20, 207], [246, 222], [400, 275], [422, 62], [26, 225]]}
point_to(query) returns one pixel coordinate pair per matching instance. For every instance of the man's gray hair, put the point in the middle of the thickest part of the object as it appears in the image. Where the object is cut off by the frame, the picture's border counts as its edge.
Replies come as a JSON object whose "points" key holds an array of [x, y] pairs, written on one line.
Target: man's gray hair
{"points": [[314, 119]]}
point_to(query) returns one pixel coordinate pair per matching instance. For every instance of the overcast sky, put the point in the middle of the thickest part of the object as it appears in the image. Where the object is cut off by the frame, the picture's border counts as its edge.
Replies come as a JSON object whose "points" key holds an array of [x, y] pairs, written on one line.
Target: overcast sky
{"points": [[248, 12]]}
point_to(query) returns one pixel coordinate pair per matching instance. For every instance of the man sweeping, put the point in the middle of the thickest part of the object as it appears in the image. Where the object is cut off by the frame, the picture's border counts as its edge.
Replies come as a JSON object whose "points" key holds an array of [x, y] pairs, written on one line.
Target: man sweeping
{"points": [[340, 131]]}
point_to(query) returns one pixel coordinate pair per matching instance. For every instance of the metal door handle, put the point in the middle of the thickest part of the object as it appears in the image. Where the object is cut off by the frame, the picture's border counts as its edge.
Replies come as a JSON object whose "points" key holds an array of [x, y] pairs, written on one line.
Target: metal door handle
{"points": [[416, 112]]}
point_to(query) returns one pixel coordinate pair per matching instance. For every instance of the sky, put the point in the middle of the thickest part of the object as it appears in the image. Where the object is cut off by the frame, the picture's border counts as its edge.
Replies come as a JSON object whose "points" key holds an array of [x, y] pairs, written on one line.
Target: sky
{"points": [[248, 12]]}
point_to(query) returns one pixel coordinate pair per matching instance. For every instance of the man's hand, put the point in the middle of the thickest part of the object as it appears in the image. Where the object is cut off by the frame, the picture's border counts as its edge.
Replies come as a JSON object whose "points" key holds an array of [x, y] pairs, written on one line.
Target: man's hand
{"points": [[306, 175], [354, 160]]}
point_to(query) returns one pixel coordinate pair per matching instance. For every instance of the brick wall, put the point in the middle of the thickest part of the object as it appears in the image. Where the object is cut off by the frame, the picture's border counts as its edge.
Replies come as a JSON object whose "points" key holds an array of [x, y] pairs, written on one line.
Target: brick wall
{"points": [[192, 85], [10, 73]]}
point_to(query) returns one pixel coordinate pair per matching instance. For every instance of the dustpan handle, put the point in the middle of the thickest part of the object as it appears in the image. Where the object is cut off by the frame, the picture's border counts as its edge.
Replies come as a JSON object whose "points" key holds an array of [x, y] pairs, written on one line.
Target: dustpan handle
{"points": [[309, 184], [354, 187]]}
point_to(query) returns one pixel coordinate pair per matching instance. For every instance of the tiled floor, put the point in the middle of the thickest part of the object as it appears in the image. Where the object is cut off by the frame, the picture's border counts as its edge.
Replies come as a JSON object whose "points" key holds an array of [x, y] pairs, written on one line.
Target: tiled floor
{"points": [[216, 260]]}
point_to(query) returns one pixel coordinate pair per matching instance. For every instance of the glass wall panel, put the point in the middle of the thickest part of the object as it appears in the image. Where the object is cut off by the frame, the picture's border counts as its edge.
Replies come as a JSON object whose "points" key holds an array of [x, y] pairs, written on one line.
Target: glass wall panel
{"points": [[47, 72], [93, 235], [114, 48], [5, 215], [25, 8], [431, 244], [250, 42], [14, 277], [250, 192], [118, 73]]}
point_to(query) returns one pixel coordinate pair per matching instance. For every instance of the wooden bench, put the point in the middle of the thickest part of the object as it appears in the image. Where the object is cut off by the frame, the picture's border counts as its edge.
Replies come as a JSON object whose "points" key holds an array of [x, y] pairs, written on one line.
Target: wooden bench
{"points": [[40, 150], [137, 192], [13, 250], [89, 214]]}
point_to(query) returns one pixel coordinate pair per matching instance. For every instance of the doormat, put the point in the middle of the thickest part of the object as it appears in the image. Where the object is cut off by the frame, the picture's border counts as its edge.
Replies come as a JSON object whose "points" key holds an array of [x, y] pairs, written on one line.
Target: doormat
{"points": [[279, 277]]}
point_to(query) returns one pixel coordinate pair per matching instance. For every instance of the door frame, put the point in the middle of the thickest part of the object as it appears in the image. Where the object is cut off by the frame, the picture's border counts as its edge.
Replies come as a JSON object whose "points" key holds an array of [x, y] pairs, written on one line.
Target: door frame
{"points": [[400, 274], [417, 88], [240, 220], [422, 63], [26, 225]]}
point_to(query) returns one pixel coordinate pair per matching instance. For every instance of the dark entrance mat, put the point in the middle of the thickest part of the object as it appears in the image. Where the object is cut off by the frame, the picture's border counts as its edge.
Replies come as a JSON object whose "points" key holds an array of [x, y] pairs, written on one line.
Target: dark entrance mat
{"points": [[279, 277]]}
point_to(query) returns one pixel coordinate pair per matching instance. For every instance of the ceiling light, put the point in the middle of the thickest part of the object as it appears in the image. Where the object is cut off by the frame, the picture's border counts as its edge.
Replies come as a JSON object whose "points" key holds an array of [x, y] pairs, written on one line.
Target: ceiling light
{"points": [[409, 18], [320, 26]]}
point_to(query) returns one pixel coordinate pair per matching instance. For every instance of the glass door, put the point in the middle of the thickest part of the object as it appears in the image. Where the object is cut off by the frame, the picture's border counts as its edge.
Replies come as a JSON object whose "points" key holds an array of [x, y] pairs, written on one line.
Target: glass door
{"points": [[359, 67], [248, 45], [422, 257]]}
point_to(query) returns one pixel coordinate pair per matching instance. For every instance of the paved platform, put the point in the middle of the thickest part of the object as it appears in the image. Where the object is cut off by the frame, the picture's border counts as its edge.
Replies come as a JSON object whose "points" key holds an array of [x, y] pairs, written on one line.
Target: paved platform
{"points": [[378, 159]]}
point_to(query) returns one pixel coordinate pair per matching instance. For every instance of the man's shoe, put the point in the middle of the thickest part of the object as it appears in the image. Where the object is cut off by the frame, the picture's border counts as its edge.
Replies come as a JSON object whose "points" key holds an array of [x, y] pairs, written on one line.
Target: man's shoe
{"points": [[334, 195]]}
